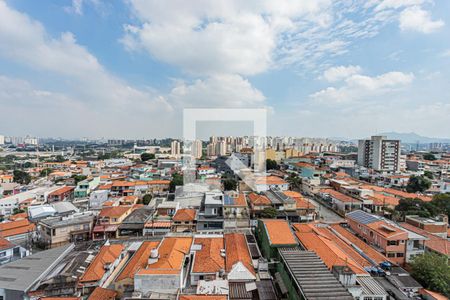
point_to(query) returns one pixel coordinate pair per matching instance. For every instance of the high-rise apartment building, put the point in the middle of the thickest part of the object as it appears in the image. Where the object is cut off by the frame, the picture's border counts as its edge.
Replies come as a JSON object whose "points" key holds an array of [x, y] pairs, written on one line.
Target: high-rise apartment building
{"points": [[379, 153], [175, 148], [197, 149], [2, 139]]}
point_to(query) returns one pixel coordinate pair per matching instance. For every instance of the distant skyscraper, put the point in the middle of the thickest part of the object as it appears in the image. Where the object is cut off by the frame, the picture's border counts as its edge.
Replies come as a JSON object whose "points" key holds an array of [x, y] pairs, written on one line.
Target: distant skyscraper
{"points": [[2, 139], [175, 148], [211, 149], [379, 154], [221, 148]]}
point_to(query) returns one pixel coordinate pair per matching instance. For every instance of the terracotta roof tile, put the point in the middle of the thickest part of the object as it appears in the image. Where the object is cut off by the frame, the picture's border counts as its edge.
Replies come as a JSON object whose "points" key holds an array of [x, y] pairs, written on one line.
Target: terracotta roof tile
{"points": [[138, 261], [434, 242], [114, 211], [107, 255], [172, 251], [12, 228], [279, 232], [103, 294], [236, 249], [259, 200], [209, 258], [185, 215]]}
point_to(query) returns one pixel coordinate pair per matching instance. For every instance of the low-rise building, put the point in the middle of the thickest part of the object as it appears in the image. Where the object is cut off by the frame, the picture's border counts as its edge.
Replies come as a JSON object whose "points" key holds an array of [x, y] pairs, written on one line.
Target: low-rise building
{"points": [[208, 259], [58, 231], [184, 220], [274, 234], [65, 193], [165, 272], [17, 231], [236, 211], [105, 263]]}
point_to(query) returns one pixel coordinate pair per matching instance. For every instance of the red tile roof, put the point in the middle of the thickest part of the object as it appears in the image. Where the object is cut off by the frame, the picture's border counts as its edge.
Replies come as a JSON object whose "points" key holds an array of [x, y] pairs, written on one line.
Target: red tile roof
{"points": [[62, 191], [236, 249], [5, 244], [172, 251], [107, 255], [209, 258], [279, 232], [114, 211], [22, 226], [259, 200], [138, 261], [103, 294], [185, 215], [434, 242]]}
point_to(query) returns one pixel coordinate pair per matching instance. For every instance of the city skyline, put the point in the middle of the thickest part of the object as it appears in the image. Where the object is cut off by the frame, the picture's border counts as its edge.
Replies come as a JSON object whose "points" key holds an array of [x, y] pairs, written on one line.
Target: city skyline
{"points": [[328, 68]]}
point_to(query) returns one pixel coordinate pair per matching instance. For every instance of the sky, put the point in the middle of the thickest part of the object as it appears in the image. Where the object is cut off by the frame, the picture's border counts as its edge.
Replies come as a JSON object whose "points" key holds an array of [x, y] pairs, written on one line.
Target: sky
{"points": [[128, 68]]}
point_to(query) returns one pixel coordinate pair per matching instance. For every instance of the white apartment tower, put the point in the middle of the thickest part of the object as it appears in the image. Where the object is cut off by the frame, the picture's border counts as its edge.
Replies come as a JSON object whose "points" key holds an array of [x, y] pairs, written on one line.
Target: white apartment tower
{"points": [[197, 149], [379, 154], [175, 148]]}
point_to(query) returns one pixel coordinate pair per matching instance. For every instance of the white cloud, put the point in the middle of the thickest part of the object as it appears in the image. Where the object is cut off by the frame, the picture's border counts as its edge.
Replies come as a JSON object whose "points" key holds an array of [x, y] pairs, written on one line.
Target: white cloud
{"points": [[340, 72], [446, 53], [216, 91], [389, 4], [75, 8], [417, 19], [245, 37], [359, 87]]}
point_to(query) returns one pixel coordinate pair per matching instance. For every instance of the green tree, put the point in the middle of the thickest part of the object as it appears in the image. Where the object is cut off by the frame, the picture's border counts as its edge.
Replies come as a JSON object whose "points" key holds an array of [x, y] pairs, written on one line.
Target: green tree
{"points": [[177, 179], [428, 174], [432, 271], [271, 164], [60, 158], [146, 199], [17, 211], [21, 177], [442, 203], [45, 172], [229, 184], [429, 156], [269, 213], [27, 165], [79, 178], [147, 156], [417, 184], [294, 180]]}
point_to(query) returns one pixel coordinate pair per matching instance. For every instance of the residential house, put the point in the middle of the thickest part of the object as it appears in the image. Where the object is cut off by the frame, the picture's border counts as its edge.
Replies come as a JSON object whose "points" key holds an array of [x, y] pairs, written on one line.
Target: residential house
{"points": [[388, 239], [208, 259], [286, 206], [236, 211], [274, 234], [110, 259], [158, 186], [17, 231], [341, 202], [433, 243], [85, 187], [57, 231], [133, 224], [10, 252], [258, 202], [97, 198], [108, 221], [124, 282], [210, 216], [265, 183], [165, 271], [437, 226], [65, 193], [305, 209], [184, 220], [238, 261], [121, 188]]}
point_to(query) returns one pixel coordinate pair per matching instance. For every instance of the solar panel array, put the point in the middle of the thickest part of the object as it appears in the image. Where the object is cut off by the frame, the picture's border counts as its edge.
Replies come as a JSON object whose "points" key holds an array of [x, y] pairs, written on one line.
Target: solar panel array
{"points": [[362, 217]]}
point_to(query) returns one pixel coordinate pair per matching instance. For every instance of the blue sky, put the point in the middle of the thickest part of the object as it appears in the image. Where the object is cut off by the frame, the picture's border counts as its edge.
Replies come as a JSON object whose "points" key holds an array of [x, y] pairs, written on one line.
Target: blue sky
{"points": [[93, 68]]}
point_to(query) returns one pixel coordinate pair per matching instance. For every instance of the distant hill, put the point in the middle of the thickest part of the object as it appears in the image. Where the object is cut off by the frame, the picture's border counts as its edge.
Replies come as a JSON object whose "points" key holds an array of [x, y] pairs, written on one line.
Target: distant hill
{"points": [[407, 138], [414, 138]]}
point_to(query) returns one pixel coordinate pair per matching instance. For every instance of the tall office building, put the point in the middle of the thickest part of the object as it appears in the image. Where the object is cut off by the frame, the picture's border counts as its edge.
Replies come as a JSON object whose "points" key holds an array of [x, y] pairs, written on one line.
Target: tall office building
{"points": [[379, 154], [175, 148], [2, 139]]}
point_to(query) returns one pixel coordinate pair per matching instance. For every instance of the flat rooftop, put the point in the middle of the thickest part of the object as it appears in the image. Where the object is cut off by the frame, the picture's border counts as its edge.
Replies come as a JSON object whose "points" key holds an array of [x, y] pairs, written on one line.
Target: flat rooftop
{"points": [[313, 278]]}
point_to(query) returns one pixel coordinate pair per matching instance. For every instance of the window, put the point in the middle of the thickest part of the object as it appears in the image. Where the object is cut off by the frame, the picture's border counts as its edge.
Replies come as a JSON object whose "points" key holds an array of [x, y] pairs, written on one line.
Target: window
{"points": [[391, 255], [400, 254], [392, 243]]}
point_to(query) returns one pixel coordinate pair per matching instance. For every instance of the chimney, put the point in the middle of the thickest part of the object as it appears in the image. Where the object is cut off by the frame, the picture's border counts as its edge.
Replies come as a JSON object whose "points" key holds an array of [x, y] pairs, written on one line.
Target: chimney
{"points": [[154, 256]]}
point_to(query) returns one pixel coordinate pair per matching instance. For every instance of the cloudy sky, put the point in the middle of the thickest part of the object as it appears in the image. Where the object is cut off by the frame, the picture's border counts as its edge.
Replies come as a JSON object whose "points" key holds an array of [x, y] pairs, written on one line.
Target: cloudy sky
{"points": [[346, 68]]}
